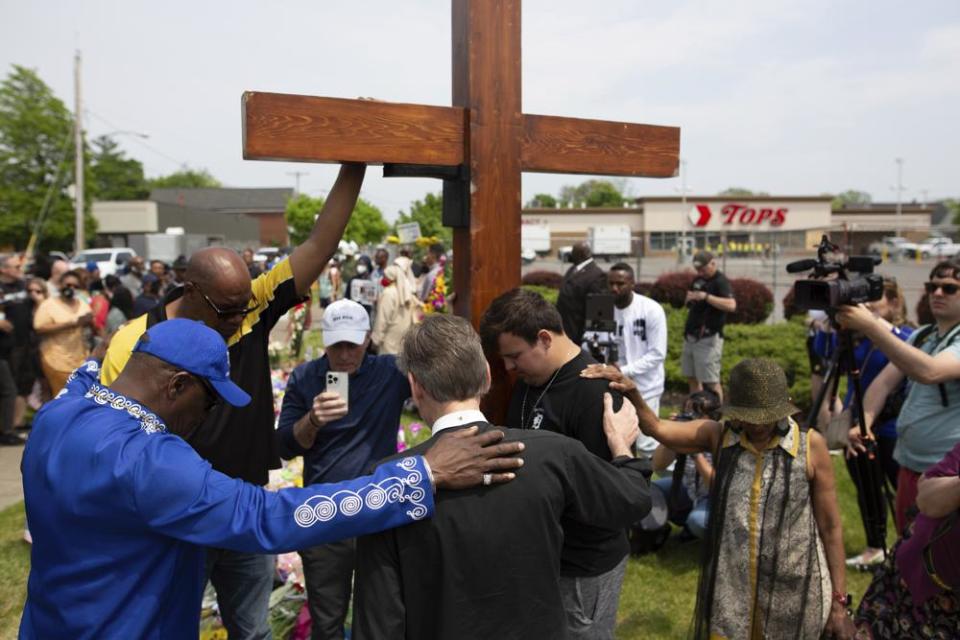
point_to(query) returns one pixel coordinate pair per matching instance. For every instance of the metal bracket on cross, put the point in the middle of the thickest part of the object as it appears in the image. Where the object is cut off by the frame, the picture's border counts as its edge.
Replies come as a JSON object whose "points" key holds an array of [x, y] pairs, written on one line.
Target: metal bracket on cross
{"points": [[456, 187]]}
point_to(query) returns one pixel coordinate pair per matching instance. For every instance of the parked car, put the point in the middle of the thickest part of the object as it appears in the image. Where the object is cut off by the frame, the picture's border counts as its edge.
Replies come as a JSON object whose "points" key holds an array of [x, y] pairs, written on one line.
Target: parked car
{"points": [[938, 247], [892, 245], [108, 259], [528, 255]]}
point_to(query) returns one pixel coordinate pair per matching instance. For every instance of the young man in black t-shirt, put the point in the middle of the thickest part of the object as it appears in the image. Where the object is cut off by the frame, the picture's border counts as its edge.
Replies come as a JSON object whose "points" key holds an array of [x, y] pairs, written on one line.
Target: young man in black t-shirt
{"points": [[527, 332], [709, 300]]}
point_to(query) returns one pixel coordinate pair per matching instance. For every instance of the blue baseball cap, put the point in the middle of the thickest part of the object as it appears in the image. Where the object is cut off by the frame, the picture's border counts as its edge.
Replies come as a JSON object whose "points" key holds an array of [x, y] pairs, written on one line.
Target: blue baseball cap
{"points": [[194, 347]]}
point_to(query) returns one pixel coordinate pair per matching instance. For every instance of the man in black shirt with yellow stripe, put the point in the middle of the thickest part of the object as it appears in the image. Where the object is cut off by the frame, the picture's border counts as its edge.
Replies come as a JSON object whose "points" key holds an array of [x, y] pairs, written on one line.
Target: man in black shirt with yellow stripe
{"points": [[240, 441]]}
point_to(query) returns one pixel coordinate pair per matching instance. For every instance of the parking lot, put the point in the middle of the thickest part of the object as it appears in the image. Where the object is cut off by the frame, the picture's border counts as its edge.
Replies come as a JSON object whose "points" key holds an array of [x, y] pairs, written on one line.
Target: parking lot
{"points": [[910, 274]]}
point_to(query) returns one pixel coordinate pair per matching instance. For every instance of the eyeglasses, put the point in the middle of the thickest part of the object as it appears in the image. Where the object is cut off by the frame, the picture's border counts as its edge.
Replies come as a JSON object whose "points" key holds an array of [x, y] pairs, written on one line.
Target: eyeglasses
{"points": [[213, 398], [223, 314], [948, 288]]}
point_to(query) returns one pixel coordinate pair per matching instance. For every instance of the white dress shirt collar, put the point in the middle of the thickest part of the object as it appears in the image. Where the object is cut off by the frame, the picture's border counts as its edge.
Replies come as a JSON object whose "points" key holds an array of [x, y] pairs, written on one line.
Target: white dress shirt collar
{"points": [[457, 419], [583, 264]]}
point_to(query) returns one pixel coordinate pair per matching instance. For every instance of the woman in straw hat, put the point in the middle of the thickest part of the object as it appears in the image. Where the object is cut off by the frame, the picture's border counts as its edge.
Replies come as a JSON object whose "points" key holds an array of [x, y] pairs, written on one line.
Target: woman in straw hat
{"points": [[774, 534]]}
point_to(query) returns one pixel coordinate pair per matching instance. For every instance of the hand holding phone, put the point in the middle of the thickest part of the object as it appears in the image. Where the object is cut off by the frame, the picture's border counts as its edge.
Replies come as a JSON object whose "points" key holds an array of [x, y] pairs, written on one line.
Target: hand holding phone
{"points": [[328, 406]]}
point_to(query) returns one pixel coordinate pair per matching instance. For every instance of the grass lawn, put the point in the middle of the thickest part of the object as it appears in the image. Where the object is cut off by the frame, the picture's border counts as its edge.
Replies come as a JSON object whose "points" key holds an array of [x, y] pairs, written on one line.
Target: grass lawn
{"points": [[657, 599]]}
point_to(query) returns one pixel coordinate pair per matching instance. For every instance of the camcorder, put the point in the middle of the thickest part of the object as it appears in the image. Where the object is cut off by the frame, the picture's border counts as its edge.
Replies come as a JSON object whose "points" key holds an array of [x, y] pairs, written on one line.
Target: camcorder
{"points": [[599, 320], [819, 293]]}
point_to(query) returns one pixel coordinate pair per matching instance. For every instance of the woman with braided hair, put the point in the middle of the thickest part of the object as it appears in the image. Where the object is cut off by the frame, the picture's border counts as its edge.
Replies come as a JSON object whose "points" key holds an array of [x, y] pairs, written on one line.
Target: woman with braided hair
{"points": [[774, 533]]}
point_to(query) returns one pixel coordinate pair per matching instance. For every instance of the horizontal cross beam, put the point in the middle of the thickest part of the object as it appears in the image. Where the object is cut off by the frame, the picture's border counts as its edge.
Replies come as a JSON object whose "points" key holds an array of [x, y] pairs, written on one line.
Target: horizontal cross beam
{"points": [[314, 129], [278, 126]]}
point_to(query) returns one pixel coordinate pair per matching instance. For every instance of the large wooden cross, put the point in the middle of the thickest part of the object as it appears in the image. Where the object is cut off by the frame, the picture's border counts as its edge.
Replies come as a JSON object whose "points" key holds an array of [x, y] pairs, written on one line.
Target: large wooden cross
{"points": [[479, 146]]}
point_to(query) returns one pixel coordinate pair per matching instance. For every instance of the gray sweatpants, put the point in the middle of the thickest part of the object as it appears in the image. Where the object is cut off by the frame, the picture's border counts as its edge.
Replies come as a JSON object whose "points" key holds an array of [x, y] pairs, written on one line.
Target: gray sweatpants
{"points": [[591, 603]]}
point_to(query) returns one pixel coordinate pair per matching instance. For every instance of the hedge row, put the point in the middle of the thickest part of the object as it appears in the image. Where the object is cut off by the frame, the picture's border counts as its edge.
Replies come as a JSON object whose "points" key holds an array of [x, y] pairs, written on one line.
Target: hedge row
{"points": [[754, 299], [785, 342]]}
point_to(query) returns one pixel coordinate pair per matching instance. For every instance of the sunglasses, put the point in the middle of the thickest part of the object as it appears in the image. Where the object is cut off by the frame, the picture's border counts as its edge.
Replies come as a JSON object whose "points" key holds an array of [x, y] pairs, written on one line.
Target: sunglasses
{"points": [[223, 314], [949, 289], [213, 398]]}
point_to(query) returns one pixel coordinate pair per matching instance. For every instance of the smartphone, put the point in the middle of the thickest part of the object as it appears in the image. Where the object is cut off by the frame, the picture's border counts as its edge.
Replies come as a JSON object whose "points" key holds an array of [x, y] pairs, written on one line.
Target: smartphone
{"points": [[338, 381]]}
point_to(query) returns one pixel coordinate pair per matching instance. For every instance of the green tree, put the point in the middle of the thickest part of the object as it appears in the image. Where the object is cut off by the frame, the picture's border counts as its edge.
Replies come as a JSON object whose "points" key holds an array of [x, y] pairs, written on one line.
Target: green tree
{"points": [[543, 201], [185, 179], [429, 214], [850, 197], [953, 206], [592, 193], [740, 192], [113, 175], [366, 225], [36, 158], [301, 213]]}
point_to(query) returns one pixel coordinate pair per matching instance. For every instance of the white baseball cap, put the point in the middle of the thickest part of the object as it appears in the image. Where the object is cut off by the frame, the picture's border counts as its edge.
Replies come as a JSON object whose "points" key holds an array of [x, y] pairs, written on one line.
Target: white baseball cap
{"points": [[345, 321]]}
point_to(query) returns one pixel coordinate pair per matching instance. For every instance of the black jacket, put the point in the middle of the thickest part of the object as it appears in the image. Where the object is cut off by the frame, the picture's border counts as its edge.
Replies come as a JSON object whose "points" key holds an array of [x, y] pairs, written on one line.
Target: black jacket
{"points": [[572, 300], [487, 565]]}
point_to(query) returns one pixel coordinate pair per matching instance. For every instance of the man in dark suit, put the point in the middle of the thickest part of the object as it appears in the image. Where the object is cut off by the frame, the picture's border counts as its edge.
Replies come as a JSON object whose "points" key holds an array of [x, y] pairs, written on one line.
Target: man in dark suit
{"points": [[488, 564], [582, 279]]}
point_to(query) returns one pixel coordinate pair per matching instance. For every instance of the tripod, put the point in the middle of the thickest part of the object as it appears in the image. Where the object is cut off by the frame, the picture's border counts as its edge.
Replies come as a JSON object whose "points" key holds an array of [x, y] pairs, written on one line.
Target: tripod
{"points": [[872, 490]]}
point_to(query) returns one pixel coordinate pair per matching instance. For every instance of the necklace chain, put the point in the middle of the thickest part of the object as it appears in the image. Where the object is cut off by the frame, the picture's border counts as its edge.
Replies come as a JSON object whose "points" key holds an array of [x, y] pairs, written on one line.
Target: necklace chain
{"points": [[533, 409]]}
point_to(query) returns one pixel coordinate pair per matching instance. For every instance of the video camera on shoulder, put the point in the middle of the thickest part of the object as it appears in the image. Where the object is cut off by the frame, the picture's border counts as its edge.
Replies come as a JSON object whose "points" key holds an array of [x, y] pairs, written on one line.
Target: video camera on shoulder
{"points": [[599, 319], [818, 293]]}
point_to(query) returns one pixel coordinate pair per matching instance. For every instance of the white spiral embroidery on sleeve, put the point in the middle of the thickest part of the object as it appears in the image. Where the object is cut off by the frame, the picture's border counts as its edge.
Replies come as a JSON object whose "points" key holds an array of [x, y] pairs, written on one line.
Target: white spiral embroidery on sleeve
{"points": [[404, 488]]}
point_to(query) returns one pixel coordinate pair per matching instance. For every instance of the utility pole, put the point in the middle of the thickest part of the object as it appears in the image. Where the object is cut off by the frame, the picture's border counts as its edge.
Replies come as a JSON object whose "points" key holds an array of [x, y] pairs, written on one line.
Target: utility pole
{"points": [[296, 175], [899, 189], [682, 254], [78, 242]]}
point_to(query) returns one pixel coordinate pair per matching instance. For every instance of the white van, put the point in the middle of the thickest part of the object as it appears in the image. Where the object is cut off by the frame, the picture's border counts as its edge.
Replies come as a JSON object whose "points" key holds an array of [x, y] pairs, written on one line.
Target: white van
{"points": [[108, 259]]}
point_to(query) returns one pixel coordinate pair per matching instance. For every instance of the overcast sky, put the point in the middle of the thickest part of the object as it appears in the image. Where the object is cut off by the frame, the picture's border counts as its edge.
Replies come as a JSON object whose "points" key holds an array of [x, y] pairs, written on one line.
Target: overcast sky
{"points": [[793, 98]]}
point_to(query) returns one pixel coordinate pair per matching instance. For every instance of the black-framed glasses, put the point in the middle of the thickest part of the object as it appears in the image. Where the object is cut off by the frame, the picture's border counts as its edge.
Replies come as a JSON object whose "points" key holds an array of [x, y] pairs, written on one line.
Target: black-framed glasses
{"points": [[213, 398], [223, 314], [948, 288]]}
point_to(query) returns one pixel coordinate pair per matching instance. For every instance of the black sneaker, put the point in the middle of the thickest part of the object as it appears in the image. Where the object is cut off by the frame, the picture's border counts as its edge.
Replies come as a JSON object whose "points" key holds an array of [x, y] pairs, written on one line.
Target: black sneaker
{"points": [[11, 440]]}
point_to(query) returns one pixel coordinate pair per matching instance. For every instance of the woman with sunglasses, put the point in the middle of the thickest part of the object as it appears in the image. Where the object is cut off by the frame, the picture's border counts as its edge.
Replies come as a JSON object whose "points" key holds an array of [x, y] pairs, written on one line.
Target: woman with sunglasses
{"points": [[928, 424], [891, 311]]}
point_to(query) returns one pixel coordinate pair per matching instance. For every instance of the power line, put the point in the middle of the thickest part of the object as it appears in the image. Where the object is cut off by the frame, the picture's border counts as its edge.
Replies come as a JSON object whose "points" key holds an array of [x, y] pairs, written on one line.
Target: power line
{"points": [[138, 139]]}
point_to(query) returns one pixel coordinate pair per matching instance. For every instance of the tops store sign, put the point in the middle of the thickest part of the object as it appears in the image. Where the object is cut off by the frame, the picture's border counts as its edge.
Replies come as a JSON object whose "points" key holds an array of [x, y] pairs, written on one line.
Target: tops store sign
{"points": [[734, 214], [757, 215]]}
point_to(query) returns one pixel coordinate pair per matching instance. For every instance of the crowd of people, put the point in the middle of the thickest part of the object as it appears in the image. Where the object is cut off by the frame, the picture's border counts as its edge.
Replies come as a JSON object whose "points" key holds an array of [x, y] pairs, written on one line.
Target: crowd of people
{"points": [[146, 471]]}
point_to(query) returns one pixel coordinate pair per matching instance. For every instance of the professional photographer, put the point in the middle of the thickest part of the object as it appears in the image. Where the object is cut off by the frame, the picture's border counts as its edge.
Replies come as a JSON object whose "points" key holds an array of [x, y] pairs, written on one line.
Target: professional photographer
{"points": [[687, 489], [709, 300], [928, 425], [641, 339], [890, 310]]}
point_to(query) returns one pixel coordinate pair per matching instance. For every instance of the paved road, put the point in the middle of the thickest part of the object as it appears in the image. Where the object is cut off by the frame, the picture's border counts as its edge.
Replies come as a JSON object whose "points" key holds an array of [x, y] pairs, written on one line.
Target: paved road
{"points": [[10, 488], [910, 275]]}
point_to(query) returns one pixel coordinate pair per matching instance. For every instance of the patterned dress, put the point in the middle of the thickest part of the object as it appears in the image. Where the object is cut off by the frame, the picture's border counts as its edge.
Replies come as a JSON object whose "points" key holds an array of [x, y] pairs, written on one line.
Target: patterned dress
{"points": [[771, 578]]}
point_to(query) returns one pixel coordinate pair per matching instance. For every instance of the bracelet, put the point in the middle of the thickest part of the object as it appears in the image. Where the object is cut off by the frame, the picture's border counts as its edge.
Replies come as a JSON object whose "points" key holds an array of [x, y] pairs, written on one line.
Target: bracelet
{"points": [[844, 599]]}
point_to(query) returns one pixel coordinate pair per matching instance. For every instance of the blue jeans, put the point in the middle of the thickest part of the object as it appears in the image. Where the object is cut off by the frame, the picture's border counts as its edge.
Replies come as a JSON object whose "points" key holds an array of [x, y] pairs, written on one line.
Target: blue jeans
{"points": [[243, 582], [696, 519]]}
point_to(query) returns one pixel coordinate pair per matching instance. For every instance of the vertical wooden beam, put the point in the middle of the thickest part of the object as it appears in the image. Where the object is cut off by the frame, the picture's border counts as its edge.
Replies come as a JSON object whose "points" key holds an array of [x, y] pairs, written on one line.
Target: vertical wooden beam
{"points": [[486, 82]]}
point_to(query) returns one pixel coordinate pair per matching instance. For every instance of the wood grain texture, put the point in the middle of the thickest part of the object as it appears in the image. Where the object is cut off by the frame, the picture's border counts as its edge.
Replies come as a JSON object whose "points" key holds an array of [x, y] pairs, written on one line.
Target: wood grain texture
{"points": [[278, 126], [486, 72], [554, 144]]}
